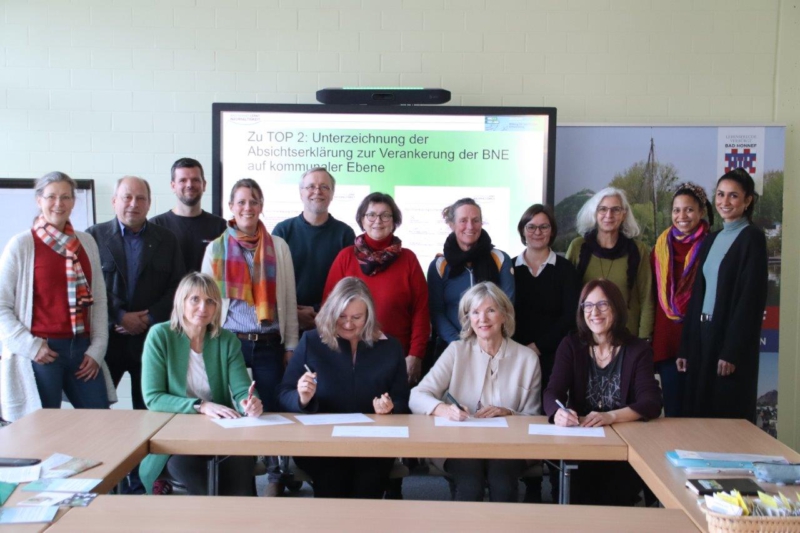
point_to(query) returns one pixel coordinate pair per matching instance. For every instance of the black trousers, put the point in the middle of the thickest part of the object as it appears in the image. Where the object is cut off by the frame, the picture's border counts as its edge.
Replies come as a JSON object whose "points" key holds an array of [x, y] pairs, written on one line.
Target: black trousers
{"points": [[347, 477], [613, 483], [236, 477]]}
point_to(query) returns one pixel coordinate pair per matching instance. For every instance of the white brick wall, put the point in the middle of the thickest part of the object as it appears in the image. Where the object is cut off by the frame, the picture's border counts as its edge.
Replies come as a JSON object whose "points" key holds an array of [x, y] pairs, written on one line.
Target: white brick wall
{"points": [[100, 89]]}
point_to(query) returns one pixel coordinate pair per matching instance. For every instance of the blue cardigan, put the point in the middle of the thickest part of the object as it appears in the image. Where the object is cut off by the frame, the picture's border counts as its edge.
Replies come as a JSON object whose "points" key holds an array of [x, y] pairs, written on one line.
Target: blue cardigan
{"points": [[345, 387]]}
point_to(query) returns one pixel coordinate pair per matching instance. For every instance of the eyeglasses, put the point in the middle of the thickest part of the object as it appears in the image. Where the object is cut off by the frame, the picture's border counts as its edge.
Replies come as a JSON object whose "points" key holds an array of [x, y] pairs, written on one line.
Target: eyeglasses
{"points": [[533, 228], [616, 210], [384, 216], [51, 198], [320, 188], [602, 306]]}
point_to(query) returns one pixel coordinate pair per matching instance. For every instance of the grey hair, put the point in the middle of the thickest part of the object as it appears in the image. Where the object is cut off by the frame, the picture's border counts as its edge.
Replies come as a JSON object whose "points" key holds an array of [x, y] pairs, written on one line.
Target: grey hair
{"points": [[54, 177], [474, 297], [196, 281], [449, 212], [346, 291], [319, 169], [142, 180], [587, 216]]}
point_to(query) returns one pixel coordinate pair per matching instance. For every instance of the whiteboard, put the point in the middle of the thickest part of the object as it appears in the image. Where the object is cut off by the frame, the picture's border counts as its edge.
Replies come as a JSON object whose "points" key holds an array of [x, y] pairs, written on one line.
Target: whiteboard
{"points": [[18, 207]]}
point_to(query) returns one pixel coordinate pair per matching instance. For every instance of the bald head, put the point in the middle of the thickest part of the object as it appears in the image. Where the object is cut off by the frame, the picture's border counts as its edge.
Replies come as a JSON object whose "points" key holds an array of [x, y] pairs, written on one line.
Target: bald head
{"points": [[131, 201]]}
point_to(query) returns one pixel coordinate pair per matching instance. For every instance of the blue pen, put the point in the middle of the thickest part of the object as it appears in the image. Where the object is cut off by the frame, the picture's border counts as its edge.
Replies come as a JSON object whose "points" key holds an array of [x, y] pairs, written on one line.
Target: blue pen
{"points": [[310, 372], [561, 405]]}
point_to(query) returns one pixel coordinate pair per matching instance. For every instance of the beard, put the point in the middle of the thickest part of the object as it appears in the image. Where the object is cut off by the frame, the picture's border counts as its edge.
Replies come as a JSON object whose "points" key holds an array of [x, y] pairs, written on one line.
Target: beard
{"points": [[190, 202]]}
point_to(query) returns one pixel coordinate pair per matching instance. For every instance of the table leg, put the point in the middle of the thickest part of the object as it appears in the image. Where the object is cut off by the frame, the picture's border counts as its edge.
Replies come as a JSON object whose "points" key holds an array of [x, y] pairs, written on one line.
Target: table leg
{"points": [[563, 489], [213, 476]]}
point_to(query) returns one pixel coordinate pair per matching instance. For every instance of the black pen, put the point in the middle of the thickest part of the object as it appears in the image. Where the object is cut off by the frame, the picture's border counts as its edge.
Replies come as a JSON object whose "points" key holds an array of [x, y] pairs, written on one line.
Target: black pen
{"points": [[455, 402]]}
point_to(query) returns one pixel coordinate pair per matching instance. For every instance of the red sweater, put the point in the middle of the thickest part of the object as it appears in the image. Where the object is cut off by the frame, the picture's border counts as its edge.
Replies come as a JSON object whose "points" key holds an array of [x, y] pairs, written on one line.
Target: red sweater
{"points": [[50, 305], [400, 294], [667, 333]]}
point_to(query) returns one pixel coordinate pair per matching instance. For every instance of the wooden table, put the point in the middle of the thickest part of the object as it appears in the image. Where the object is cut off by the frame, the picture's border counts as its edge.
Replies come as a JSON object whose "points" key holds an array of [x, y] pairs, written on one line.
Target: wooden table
{"points": [[174, 514], [120, 439], [648, 442], [195, 435]]}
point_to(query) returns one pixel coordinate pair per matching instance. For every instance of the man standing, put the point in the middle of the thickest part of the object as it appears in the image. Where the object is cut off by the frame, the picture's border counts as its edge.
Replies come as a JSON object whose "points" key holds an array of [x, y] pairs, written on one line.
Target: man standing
{"points": [[193, 227], [315, 238], [142, 267]]}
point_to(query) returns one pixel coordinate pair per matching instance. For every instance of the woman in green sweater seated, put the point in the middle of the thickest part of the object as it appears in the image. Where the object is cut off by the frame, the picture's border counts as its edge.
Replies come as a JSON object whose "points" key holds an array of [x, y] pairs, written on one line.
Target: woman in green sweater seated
{"points": [[607, 250], [193, 366]]}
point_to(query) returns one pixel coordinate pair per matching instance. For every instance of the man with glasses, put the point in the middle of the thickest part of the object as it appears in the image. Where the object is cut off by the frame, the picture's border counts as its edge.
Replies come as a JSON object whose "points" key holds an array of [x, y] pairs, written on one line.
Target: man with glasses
{"points": [[315, 238]]}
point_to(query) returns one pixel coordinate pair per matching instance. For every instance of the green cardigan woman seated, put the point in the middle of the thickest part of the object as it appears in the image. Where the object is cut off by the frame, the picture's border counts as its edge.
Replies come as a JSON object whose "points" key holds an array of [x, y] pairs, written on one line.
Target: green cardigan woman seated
{"points": [[193, 366]]}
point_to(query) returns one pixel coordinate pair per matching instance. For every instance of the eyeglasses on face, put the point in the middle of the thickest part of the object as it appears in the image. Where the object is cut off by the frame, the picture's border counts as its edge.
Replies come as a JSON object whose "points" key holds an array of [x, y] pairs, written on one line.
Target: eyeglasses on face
{"points": [[384, 216], [320, 188], [51, 198], [616, 210], [601, 306], [533, 228]]}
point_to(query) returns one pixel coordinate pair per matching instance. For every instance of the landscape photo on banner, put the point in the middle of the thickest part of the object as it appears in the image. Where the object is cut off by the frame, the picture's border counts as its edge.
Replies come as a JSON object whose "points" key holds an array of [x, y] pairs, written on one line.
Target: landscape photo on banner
{"points": [[647, 162]]}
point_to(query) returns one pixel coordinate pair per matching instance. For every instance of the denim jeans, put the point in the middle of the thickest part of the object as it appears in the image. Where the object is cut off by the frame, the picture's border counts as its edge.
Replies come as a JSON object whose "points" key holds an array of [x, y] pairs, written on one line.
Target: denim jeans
{"points": [[266, 362], [58, 376], [671, 386]]}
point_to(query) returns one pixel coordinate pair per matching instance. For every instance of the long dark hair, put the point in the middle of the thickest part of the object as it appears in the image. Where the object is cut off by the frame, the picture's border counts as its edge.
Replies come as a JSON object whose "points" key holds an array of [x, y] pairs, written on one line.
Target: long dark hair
{"points": [[619, 332], [745, 181]]}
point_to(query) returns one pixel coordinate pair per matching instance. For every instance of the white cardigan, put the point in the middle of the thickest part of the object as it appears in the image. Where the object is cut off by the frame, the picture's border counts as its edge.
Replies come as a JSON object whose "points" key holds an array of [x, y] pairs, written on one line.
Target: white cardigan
{"points": [[284, 288], [462, 370], [18, 393]]}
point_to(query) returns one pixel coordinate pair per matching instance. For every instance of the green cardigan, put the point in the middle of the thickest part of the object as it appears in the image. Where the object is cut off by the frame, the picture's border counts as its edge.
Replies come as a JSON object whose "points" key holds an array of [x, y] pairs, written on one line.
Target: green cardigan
{"points": [[641, 313], [165, 362]]}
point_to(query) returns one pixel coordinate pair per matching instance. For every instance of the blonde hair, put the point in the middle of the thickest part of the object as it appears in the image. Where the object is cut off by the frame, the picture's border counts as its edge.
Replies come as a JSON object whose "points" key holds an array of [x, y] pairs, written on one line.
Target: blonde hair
{"points": [[346, 291], [205, 284], [474, 297]]}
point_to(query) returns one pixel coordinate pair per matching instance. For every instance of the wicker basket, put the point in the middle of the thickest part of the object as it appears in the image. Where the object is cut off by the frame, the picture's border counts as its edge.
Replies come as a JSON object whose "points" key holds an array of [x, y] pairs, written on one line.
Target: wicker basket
{"points": [[720, 523]]}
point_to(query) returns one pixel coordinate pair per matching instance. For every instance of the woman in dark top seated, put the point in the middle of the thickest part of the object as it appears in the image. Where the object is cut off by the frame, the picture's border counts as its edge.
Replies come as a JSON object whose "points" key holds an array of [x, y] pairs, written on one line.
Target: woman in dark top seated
{"points": [[607, 374], [354, 369]]}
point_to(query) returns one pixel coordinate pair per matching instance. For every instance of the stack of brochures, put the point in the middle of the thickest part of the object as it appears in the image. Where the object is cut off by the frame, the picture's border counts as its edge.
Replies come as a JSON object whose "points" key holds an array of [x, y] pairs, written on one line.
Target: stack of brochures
{"points": [[703, 463]]}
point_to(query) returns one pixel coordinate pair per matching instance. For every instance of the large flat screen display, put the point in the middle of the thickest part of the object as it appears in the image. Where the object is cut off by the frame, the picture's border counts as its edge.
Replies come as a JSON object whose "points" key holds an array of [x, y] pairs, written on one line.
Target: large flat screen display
{"points": [[425, 157]]}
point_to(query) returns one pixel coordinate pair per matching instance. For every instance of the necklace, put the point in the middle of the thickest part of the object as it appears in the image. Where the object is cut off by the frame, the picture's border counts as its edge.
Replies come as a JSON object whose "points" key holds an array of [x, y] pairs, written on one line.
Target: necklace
{"points": [[605, 385], [602, 270]]}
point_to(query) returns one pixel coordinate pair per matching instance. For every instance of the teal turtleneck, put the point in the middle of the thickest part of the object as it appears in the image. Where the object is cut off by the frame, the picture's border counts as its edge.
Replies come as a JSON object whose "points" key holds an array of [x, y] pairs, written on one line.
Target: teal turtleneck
{"points": [[720, 247]]}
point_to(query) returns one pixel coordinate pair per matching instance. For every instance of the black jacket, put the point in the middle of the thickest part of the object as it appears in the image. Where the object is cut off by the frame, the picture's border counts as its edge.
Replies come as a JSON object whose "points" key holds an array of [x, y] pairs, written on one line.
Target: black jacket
{"points": [[160, 270], [735, 331]]}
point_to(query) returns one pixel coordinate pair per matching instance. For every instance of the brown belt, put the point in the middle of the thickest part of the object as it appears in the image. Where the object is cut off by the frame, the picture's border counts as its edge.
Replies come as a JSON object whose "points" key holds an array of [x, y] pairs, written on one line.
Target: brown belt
{"points": [[261, 338]]}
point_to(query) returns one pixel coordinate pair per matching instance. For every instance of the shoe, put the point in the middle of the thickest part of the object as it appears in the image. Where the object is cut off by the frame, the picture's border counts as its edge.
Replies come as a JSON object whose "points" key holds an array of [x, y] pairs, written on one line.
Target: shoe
{"points": [[259, 469], [162, 486], [274, 490]]}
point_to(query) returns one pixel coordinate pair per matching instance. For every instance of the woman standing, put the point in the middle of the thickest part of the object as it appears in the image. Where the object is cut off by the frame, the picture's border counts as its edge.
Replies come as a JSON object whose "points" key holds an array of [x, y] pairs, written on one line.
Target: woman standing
{"points": [[393, 276], [346, 365], [722, 330], [674, 262], [608, 250], [193, 366], [254, 272], [605, 375], [489, 375], [469, 258], [53, 314]]}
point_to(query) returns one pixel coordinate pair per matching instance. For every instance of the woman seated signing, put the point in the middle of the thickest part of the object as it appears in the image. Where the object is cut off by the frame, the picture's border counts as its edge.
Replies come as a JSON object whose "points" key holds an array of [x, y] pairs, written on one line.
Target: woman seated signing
{"points": [[346, 365], [607, 373], [490, 375], [191, 365]]}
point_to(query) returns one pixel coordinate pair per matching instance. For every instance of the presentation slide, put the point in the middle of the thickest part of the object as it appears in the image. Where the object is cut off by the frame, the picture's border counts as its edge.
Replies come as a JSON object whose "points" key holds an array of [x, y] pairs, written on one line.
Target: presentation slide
{"points": [[426, 161]]}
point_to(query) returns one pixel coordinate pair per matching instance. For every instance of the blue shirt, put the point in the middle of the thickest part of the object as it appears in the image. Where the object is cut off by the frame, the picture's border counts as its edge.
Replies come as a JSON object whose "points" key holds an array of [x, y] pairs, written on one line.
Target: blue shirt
{"points": [[134, 244]]}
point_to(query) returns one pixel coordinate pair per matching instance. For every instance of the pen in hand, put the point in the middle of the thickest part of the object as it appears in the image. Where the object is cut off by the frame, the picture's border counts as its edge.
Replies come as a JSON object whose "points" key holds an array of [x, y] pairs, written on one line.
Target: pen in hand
{"points": [[310, 372]]}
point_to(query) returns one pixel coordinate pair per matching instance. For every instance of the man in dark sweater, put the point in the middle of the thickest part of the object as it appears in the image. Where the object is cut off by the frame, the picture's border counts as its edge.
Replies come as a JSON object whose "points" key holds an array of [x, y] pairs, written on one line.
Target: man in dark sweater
{"points": [[315, 238], [194, 227]]}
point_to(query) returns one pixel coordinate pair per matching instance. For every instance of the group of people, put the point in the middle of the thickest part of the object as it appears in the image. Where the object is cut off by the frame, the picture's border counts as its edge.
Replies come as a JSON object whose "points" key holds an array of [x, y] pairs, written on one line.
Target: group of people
{"points": [[331, 322]]}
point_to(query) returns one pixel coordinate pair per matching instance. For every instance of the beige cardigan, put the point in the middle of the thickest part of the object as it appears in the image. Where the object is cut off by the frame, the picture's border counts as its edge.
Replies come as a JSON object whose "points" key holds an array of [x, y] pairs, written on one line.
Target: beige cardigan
{"points": [[462, 370], [18, 393], [284, 287]]}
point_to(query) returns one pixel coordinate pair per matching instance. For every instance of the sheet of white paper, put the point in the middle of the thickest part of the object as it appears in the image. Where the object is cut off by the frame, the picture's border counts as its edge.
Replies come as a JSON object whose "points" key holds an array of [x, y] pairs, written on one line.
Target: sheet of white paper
{"points": [[345, 418], [498, 422], [20, 474], [559, 431], [249, 421], [27, 515], [54, 460], [739, 457], [391, 432], [63, 485], [46, 499]]}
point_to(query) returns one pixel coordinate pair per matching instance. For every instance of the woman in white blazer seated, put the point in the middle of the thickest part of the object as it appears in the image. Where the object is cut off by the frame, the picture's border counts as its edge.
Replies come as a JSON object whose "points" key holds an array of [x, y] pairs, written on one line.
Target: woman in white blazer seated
{"points": [[488, 375]]}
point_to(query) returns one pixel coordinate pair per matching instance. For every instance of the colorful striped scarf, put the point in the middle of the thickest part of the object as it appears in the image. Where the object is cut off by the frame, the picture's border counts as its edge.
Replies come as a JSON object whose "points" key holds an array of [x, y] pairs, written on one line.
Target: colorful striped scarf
{"points": [[674, 297], [66, 244], [233, 276]]}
